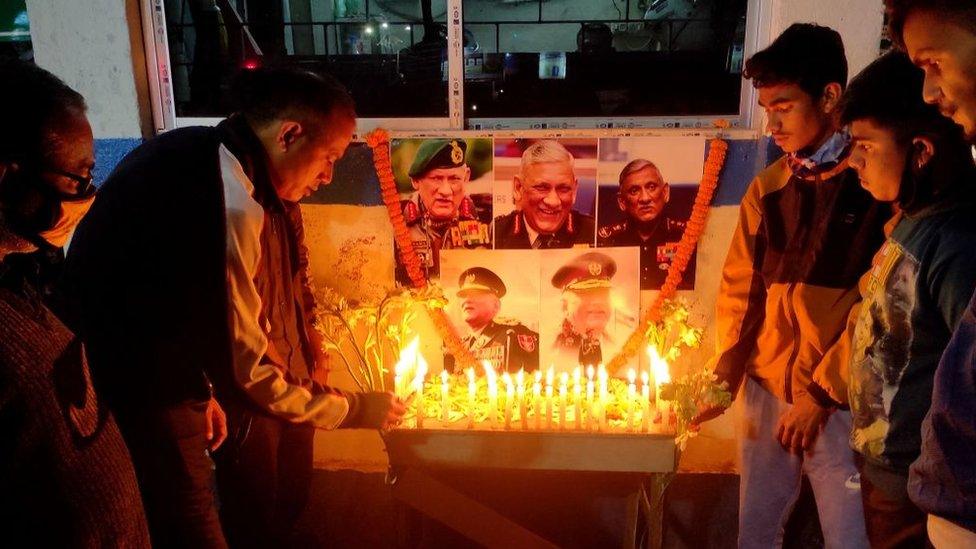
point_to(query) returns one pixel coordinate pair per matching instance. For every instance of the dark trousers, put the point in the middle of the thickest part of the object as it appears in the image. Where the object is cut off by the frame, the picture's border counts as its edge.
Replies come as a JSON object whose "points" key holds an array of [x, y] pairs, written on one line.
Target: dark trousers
{"points": [[263, 476], [175, 474], [892, 520]]}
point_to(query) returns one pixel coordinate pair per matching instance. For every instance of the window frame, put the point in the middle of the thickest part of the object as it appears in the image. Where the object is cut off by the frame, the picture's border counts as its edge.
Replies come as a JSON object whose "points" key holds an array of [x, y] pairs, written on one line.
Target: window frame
{"points": [[163, 106]]}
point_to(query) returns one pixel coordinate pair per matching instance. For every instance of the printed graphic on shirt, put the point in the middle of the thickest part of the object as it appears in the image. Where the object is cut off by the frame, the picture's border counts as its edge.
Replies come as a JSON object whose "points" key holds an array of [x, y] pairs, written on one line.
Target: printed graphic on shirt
{"points": [[882, 339]]}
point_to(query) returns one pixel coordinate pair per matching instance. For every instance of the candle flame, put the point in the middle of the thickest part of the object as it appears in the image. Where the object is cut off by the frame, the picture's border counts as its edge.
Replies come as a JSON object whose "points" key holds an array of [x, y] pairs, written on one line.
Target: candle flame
{"points": [[444, 377], [520, 378], [550, 375], [421, 366], [659, 366], [590, 371], [470, 372], [408, 358], [631, 376]]}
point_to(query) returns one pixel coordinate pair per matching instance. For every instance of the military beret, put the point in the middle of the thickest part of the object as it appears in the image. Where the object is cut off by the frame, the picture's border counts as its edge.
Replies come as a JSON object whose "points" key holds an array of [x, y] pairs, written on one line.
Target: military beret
{"points": [[588, 271], [480, 278], [438, 153]]}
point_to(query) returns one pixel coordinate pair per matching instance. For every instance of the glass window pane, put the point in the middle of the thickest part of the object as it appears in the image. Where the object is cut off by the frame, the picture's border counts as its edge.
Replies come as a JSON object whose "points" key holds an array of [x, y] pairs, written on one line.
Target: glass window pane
{"points": [[15, 40], [391, 54], [623, 58]]}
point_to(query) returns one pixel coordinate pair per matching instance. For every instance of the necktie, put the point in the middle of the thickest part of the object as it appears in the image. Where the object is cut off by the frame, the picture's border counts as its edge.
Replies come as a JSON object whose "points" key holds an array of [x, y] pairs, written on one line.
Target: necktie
{"points": [[542, 241]]}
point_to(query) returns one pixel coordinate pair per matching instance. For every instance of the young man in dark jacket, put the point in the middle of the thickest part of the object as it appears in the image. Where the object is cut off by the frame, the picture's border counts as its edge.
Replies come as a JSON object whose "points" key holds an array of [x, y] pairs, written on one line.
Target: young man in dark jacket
{"points": [[806, 234], [190, 270], [940, 37], [918, 286]]}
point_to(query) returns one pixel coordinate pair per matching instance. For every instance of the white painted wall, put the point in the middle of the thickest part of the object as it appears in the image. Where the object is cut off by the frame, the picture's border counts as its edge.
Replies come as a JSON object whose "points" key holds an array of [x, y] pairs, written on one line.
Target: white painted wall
{"points": [[95, 46], [859, 23]]}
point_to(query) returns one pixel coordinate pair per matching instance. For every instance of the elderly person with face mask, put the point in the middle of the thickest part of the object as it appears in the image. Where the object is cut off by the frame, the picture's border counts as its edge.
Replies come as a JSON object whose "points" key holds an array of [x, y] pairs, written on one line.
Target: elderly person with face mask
{"points": [[544, 191], [66, 478], [643, 197]]}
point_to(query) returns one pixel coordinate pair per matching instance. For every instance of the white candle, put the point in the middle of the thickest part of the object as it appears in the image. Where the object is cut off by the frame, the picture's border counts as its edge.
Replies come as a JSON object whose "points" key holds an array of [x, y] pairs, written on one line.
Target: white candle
{"points": [[563, 385], [418, 387], [509, 398], [589, 396], [520, 393], [578, 397], [604, 396], [645, 402], [631, 399], [537, 398], [445, 397], [661, 376], [492, 394], [549, 379], [472, 393]]}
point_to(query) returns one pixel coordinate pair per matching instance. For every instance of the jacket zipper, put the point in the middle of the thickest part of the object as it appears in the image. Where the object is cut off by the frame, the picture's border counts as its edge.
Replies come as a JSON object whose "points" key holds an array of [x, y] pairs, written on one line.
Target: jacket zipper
{"points": [[795, 323]]}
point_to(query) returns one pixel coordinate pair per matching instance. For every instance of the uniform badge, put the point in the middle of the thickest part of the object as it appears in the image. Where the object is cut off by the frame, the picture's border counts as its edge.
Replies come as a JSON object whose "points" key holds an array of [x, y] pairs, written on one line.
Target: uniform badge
{"points": [[666, 252], [457, 155], [528, 342], [595, 268], [411, 213], [471, 232], [469, 280]]}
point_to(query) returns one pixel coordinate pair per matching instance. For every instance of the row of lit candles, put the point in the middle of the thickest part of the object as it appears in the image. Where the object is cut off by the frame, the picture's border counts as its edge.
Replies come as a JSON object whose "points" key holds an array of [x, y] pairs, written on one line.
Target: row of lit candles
{"points": [[550, 402]]}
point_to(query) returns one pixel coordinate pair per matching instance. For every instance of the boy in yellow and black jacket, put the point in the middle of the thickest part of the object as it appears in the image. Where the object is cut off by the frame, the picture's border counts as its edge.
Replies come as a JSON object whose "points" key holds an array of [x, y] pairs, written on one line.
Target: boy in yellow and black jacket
{"points": [[806, 234]]}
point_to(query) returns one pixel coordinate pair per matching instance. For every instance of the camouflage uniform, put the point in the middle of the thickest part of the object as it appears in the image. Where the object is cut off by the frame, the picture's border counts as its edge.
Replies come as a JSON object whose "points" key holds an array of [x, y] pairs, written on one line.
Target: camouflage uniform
{"points": [[469, 229]]}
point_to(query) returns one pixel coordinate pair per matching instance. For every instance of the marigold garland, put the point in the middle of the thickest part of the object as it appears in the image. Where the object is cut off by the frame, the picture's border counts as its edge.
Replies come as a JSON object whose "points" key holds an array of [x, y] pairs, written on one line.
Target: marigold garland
{"points": [[378, 140]]}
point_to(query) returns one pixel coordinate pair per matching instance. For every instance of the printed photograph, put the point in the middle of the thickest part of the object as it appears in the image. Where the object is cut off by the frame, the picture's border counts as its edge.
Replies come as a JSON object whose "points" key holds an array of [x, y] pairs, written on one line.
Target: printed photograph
{"points": [[493, 301], [545, 193], [445, 188], [589, 305], [647, 188]]}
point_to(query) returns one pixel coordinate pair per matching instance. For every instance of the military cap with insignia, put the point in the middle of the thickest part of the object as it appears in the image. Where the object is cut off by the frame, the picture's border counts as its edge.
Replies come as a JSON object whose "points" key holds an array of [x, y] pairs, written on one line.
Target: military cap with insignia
{"points": [[438, 153], [586, 272], [480, 279]]}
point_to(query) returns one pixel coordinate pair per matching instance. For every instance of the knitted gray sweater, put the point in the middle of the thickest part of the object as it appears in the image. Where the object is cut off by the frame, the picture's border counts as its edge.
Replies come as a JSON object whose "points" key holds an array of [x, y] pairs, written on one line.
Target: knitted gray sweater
{"points": [[66, 479]]}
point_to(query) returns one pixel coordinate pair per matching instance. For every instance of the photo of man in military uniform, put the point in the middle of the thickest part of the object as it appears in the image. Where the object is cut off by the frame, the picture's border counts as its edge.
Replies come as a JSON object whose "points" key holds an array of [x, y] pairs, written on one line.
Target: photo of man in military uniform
{"points": [[588, 311], [544, 192], [442, 215], [506, 343], [643, 197]]}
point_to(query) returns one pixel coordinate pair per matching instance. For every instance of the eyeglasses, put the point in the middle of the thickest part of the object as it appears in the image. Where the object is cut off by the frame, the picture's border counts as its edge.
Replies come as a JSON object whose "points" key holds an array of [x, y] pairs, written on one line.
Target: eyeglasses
{"points": [[86, 186]]}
